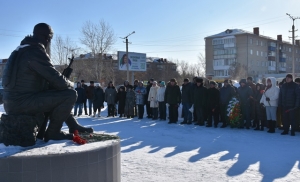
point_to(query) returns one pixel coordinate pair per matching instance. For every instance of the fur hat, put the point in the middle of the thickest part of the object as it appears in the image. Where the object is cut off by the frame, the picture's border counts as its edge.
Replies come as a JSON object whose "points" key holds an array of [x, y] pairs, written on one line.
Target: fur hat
{"points": [[212, 83], [199, 80]]}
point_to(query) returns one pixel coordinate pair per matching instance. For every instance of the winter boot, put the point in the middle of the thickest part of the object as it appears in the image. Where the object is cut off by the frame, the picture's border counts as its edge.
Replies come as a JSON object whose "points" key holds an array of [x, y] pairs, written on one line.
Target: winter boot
{"points": [[272, 127], [94, 114], [120, 115], [270, 124], [99, 115], [74, 125], [54, 133], [262, 125]]}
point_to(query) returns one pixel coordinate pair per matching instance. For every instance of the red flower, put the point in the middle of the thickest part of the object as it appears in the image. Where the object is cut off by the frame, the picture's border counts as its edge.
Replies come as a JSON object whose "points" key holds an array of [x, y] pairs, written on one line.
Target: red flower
{"points": [[77, 139]]}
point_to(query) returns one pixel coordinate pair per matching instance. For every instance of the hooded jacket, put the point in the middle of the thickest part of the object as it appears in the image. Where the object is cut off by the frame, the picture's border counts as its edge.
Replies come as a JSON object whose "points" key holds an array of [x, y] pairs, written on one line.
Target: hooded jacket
{"points": [[272, 93], [161, 94], [29, 71], [244, 93], [140, 93], [152, 97]]}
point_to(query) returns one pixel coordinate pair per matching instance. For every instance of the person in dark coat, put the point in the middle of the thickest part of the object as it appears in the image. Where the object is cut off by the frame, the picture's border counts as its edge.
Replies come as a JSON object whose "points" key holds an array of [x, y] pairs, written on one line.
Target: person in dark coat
{"points": [[148, 109], [260, 110], [252, 101], [226, 94], [80, 99], [90, 96], [245, 95], [187, 101], [173, 99], [110, 99], [33, 86], [121, 97], [135, 84], [98, 102], [130, 102], [297, 116], [140, 92], [199, 101], [289, 100], [213, 104], [126, 84], [84, 86]]}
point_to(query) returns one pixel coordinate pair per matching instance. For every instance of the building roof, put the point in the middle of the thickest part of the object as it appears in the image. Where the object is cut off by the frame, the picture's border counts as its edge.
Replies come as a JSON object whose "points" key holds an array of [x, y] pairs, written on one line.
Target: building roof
{"points": [[233, 32], [229, 32]]}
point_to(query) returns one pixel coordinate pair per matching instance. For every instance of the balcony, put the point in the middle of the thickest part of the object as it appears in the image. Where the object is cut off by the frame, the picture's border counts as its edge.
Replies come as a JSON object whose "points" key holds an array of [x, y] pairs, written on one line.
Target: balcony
{"points": [[271, 58], [281, 69], [271, 68], [270, 48], [223, 67], [282, 59]]}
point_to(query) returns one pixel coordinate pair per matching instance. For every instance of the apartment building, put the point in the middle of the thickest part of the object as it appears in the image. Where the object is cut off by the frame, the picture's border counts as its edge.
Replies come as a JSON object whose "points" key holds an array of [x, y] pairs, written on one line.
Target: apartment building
{"points": [[257, 54]]}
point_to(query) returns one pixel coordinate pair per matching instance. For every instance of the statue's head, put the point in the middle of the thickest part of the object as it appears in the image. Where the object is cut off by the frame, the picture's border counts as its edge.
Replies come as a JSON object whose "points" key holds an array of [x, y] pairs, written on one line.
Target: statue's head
{"points": [[44, 33]]}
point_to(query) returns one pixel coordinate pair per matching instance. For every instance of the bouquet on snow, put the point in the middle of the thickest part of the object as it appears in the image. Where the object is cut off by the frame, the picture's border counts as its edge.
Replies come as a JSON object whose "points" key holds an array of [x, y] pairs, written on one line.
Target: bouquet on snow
{"points": [[234, 112]]}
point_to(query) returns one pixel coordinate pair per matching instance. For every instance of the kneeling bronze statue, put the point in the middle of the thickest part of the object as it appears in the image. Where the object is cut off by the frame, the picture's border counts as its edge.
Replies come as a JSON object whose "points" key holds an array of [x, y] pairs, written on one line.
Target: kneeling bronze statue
{"points": [[35, 91]]}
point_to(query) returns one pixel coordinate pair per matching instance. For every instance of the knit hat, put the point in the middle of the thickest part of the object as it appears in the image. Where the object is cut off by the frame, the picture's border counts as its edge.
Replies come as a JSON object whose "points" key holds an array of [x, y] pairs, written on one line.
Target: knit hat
{"points": [[91, 82], [243, 81], [226, 81], [289, 76], [130, 86], [82, 80], [97, 84], [162, 83]]}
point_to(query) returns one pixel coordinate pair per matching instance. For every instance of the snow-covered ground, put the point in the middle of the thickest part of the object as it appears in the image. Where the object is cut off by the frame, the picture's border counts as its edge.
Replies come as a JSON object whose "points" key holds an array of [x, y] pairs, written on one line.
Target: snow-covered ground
{"points": [[157, 151]]}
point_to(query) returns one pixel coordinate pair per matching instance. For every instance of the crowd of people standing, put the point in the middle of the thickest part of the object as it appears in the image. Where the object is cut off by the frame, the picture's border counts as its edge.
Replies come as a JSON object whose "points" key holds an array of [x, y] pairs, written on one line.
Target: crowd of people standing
{"points": [[267, 104]]}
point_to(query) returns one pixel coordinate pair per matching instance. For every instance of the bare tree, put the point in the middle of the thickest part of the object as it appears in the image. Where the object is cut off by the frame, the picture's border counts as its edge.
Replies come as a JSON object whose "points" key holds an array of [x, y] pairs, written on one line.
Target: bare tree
{"points": [[98, 38], [62, 49], [200, 66], [237, 71]]}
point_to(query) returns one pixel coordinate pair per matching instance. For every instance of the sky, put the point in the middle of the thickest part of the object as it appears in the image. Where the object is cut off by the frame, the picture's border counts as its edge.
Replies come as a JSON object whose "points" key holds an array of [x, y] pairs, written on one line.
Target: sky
{"points": [[165, 28]]}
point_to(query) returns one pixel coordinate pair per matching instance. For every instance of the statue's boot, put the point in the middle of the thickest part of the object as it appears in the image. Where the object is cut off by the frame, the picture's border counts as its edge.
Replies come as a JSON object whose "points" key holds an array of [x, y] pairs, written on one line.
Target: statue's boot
{"points": [[53, 132], [74, 125]]}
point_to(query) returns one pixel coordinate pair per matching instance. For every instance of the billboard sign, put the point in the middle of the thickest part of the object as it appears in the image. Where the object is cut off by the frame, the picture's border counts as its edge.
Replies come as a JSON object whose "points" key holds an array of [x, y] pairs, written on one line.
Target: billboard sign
{"points": [[134, 61]]}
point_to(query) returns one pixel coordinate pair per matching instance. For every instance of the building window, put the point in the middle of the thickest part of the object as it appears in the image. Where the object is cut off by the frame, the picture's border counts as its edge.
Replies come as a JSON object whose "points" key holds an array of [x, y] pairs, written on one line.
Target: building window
{"points": [[257, 53], [290, 49], [256, 42], [251, 52], [261, 54], [251, 41], [261, 43]]}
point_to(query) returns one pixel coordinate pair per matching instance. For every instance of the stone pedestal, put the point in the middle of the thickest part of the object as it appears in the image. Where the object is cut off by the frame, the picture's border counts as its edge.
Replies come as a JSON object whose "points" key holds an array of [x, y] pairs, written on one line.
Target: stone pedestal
{"points": [[99, 163]]}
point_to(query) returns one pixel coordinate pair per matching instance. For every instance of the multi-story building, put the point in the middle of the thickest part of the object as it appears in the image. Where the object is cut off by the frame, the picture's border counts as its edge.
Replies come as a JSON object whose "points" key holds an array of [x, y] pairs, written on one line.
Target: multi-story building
{"points": [[256, 55]]}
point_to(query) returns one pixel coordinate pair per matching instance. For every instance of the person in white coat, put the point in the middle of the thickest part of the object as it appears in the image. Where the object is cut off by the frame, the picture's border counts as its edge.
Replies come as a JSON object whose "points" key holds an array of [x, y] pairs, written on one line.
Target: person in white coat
{"points": [[270, 100], [153, 100], [161, 101]]}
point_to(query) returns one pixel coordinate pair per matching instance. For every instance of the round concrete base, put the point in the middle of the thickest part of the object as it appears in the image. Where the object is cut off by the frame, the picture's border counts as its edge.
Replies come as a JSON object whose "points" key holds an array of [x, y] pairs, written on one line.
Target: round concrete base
{"points": [[97, 163]]}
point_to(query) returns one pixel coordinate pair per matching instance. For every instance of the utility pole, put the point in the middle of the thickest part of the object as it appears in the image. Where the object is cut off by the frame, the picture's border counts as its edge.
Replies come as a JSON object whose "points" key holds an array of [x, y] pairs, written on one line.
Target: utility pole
{"points": [[127, 66], [293, 41]]}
